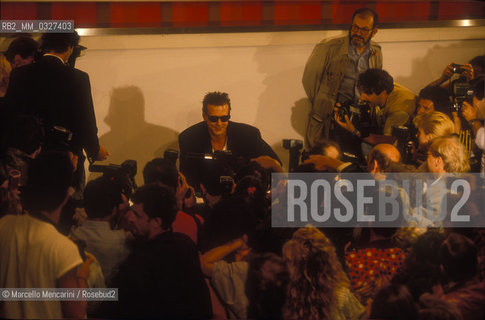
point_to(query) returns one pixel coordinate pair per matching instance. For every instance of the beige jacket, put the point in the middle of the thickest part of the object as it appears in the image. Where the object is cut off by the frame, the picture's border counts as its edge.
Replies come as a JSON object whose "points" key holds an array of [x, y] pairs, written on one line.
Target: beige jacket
{"points": [[322, 77]]}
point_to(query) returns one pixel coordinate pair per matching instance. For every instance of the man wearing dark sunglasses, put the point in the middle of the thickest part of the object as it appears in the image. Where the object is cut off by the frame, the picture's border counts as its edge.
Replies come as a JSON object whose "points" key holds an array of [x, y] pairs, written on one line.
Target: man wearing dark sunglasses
{"points": [[332, 71], [217, 133]]}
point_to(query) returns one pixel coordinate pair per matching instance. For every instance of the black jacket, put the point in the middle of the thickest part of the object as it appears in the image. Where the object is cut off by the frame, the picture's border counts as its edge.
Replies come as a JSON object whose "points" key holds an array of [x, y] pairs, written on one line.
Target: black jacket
{"points": [[59, 96], [242, 140]]}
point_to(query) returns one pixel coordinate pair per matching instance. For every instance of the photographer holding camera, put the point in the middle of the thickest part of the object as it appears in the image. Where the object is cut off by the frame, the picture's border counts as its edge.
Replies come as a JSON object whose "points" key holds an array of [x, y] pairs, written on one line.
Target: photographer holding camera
{"points": [[474, 113], [459, 81], [383, 105], [466, 73], [392, 103]]}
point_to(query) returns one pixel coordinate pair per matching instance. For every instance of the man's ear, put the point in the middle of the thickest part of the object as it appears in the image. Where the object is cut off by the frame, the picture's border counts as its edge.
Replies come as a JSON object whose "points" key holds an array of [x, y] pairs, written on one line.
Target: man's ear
{"points": [[157, 222], [70, 50], [17, 60], [375, 165], [440, 162], [437, 162], [374, 31], [372, 166]]}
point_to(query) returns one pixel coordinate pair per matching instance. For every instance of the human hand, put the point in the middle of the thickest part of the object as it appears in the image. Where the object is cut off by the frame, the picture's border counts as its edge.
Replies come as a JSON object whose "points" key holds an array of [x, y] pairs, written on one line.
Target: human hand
{"points": [[268, 163], [185, 194], [103, 153], [74, 160], [79, 216], [456, 121], [468, 111], [83, 270], [323, 163], [448, 72], [467, 72], [345, 122]]}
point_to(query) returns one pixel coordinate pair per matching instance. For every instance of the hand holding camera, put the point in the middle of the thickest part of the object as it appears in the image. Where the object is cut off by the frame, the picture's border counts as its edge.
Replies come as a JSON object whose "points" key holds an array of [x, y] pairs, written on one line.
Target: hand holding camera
{"points": [[343, 120], [468, 111], [348, 116], [465, 70]]}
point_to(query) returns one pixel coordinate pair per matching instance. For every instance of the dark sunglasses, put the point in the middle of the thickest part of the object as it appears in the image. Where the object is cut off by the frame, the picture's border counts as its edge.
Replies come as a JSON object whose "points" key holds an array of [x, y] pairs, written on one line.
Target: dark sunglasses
{"points": [[215, 118]]}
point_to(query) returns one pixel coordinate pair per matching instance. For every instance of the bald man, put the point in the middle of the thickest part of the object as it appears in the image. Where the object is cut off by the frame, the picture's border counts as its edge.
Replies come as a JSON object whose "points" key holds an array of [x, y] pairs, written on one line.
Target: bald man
{"points": [[381, 157]]}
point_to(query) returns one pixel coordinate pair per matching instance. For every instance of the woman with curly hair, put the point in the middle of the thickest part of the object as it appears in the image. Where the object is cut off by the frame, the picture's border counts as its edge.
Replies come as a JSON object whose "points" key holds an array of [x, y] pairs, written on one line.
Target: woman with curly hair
{"points": [[318, 287]]}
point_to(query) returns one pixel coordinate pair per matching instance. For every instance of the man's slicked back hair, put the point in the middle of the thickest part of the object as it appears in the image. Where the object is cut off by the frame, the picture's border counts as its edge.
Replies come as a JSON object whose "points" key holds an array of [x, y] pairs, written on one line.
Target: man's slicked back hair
{"points": [[215, 98]]}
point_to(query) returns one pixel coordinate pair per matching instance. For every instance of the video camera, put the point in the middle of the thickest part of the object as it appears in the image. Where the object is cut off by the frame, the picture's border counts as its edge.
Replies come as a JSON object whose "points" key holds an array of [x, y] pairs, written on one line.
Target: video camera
{"points": [[222, 156], [361, 114], [199, 165], [124, 174]]}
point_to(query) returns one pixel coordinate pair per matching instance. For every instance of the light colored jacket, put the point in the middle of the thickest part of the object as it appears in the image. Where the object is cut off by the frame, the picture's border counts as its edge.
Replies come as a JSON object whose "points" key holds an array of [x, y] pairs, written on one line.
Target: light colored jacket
{"points": [[322, 77]]}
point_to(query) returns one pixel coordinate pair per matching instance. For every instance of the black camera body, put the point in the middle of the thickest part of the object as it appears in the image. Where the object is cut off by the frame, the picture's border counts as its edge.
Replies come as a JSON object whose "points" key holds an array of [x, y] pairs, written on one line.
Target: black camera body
{"points": [[406, 139], [461, 92], [361, 115], [457, 68], [124, 174]]}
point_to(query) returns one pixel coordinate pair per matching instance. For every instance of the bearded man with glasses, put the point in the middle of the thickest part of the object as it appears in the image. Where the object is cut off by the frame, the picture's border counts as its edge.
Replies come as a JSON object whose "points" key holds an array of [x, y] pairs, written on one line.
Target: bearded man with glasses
{"points": [[333, 68], [215, 134]]}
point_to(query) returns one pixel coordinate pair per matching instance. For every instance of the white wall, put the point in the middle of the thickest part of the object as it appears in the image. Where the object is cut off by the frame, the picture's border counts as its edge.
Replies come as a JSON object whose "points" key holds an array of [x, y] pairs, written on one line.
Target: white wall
{"points": [[260, 71]]}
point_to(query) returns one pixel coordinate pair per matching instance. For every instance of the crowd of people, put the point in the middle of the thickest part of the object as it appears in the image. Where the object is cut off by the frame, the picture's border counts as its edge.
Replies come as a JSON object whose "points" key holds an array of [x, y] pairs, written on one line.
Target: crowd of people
{"points": [[197, 241]]}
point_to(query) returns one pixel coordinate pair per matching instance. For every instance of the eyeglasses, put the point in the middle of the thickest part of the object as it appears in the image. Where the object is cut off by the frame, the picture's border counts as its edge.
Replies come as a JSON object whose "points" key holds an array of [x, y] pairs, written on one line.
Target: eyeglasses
{"points": [[364, 31], [222, 118]]}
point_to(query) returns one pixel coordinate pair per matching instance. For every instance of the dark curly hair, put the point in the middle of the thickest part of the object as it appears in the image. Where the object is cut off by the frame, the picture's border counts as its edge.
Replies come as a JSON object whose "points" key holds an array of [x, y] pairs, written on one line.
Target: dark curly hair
{"points": [[375, 81]]}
